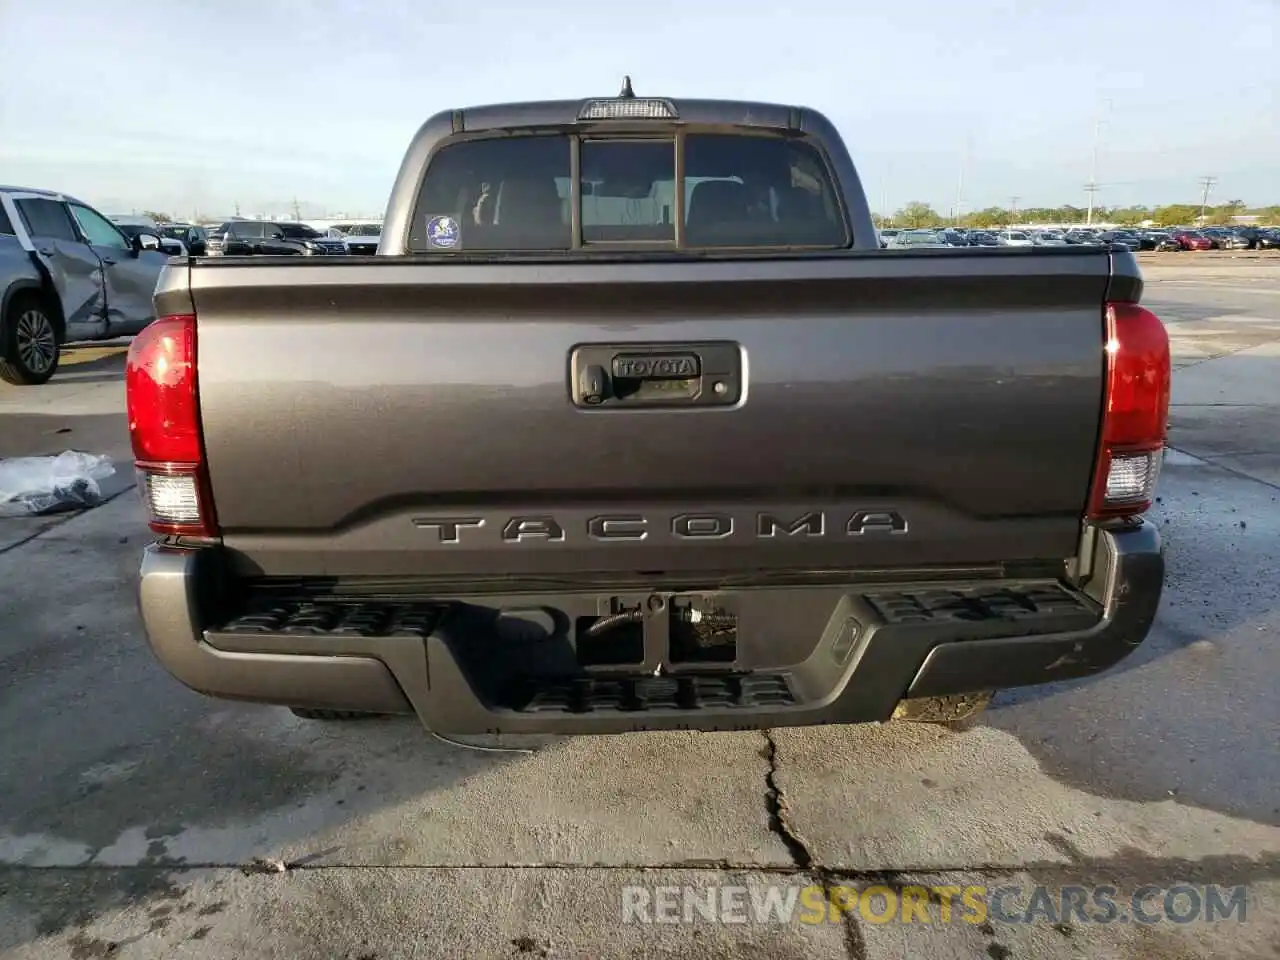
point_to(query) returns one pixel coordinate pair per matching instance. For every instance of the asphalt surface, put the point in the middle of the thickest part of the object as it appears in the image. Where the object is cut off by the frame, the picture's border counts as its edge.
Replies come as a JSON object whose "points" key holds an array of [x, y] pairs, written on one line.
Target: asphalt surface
{"points": [[138, 819]]}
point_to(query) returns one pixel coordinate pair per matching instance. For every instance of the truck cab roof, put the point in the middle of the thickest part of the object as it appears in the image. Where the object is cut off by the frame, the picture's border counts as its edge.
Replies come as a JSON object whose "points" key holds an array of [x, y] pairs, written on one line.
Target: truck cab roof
{"points": [[554, 113]]}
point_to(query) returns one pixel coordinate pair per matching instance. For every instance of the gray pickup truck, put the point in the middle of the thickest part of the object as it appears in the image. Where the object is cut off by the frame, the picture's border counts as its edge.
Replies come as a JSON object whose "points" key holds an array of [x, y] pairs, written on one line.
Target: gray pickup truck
{"points": [[631, 425]]}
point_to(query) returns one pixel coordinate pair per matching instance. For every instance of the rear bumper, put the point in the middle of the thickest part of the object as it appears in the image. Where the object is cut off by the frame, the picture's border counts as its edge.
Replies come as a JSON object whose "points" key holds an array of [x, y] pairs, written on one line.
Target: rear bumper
{"points": [[856, 662]]}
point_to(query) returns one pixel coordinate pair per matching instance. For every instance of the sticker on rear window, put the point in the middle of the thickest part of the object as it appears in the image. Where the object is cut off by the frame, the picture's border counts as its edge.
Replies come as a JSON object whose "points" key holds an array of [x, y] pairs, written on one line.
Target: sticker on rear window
{"points": [[443, 232]]}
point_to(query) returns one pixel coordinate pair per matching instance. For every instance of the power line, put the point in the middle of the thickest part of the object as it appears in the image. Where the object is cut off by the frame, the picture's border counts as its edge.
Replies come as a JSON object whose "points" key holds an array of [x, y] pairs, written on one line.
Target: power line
{"points": [[1091, 188], [964, 164]]}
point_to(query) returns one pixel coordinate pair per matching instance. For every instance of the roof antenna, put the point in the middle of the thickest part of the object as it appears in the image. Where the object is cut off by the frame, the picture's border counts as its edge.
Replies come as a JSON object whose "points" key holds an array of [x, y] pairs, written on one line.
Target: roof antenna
{"points": [[627, 93]]}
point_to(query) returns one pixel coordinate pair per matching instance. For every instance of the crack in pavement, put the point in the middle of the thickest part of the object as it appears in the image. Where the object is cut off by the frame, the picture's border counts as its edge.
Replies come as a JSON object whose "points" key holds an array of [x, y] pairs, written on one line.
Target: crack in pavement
{"points": [[780, 822], [779, 813]]}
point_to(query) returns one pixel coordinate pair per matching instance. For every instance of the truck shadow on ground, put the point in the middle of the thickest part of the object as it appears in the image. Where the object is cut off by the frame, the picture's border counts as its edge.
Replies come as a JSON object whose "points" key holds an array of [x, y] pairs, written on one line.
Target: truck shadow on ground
{"points": [[1192, 713], [93, 357], [87, 363], [108, 376], [1193, 709]]}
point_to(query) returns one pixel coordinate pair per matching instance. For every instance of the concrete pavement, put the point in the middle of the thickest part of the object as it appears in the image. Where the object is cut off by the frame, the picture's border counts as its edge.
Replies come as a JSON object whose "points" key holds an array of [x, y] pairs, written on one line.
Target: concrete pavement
{"points": [[138, 819]]}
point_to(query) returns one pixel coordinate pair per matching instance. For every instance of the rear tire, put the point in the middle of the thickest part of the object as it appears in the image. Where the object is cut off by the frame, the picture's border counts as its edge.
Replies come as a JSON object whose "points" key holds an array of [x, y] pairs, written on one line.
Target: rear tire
{"points": [[308, 714], [31, 350]]}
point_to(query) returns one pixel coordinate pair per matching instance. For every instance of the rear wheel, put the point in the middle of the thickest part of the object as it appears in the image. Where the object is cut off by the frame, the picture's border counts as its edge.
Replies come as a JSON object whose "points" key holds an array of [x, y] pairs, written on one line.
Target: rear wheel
{"points": [[31, 349]]}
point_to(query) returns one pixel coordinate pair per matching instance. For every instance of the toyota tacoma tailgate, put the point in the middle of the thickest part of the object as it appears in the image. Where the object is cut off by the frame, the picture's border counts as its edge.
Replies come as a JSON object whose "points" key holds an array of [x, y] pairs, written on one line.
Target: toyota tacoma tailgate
{"points": [[853, 412], [630, 424]]}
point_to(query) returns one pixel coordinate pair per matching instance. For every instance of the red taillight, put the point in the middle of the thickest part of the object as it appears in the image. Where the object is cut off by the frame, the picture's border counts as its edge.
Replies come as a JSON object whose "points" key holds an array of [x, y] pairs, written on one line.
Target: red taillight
{"points": [[1135, 415], [164, 427]]}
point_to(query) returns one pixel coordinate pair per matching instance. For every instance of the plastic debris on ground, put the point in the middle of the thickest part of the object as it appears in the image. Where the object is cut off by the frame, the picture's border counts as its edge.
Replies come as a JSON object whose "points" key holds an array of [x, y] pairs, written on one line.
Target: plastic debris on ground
{"points": [[33, 486]]}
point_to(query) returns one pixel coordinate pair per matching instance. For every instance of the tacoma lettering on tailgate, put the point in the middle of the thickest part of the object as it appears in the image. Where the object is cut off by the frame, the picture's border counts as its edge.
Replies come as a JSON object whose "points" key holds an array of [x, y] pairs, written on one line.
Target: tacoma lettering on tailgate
{"points": [[635, 527]]}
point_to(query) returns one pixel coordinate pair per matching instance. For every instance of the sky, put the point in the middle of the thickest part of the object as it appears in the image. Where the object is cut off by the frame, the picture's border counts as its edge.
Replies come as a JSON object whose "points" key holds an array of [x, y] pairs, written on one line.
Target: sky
{"points": [[196, 106]]}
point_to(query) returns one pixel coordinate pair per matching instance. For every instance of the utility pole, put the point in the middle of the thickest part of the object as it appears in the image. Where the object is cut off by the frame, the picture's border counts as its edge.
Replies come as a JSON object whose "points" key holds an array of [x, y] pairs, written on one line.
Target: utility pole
{"points": [[1013, 210], [1091, 188], [237, 208], [1207, 184], [297, 212]]}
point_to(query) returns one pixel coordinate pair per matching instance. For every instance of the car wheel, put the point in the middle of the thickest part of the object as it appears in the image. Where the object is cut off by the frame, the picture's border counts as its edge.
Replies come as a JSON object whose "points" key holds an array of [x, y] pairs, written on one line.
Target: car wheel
{"points": [[31, 349]]}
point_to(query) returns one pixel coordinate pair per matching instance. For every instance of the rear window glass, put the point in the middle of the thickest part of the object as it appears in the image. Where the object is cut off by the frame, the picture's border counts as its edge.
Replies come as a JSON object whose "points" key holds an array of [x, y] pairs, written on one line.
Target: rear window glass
{"points": [[6, 227], [517, 193], [628, 191]]}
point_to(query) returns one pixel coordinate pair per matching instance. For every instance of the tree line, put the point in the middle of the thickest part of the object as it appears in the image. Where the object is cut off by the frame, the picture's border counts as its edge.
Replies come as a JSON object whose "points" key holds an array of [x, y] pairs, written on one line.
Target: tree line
{"points": [[918, 214]]}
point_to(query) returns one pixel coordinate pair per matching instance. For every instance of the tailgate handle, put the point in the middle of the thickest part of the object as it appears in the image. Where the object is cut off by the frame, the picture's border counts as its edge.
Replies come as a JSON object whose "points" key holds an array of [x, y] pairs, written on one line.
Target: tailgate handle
{"points": [[613, 376], [593, 384]]}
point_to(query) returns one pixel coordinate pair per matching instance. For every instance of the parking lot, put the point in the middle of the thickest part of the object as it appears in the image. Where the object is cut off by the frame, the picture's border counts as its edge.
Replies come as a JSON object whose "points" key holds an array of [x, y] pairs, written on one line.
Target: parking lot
{"points": [[138, 819]]}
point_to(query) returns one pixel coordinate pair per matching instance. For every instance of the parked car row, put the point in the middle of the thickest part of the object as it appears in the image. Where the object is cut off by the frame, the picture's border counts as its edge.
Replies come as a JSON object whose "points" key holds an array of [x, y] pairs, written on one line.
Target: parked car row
{"points": [[963, 237], [255, 238], [1243, 238], [1195, 238], [250, 238], [1169, 239]]}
